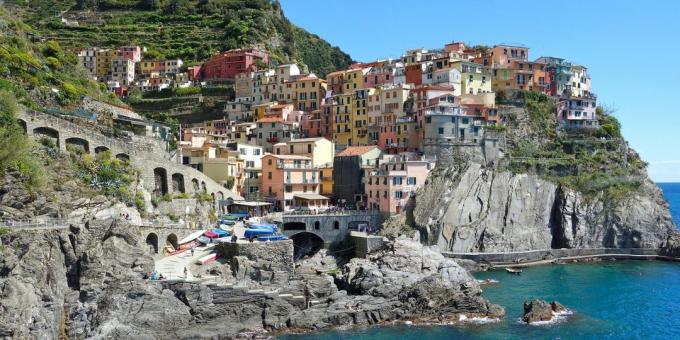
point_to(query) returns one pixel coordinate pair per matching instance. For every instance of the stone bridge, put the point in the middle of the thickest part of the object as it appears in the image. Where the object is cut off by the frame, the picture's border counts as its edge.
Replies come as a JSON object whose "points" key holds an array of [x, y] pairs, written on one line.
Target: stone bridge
{"points": [[159, 175], [328, 228]]}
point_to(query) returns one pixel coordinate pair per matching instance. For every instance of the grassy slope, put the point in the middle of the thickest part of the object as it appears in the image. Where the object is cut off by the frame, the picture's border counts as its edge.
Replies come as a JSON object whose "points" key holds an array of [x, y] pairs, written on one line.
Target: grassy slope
{"points": [[41, 73], [187, 29], [587, 161]]}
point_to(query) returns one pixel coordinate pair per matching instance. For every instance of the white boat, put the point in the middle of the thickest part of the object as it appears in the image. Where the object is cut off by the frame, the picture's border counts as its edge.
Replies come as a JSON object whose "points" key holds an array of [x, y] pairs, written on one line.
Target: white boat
{"points": [[191, 237]]}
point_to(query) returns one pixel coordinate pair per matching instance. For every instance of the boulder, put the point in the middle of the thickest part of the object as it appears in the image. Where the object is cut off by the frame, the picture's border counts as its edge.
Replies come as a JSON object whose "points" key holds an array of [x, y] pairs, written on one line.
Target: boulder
{"points": [[540, 310]]}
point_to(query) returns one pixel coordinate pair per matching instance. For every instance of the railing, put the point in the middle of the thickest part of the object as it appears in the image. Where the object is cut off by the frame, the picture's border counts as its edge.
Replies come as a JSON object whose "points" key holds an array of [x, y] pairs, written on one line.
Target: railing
{"points": [[48, 223]]}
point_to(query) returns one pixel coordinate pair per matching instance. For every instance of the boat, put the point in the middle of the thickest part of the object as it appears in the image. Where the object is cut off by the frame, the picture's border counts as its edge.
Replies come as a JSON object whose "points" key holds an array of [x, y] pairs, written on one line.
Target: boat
{"points": [[256, 232], [515, 271], [228, 222], [220, 233], [271, 238], [191, 237], [204, 239], [207, 259], [269, 226], [210, 234]]}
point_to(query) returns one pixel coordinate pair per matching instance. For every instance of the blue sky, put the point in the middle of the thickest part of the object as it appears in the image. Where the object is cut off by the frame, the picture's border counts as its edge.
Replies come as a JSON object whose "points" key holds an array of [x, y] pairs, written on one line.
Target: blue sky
{"points": [[631, 48]]}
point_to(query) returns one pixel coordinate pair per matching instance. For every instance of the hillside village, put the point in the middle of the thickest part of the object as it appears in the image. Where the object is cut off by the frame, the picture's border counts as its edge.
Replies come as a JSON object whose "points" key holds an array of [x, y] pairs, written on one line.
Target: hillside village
{"points": [[364, 137]]}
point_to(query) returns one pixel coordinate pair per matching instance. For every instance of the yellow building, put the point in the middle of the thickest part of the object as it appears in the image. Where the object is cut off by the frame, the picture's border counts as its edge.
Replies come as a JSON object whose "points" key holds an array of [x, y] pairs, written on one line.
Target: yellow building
{"points": [[342, 113], [359, 117], [326, 175], [104, 59], [259, 110], [475, 78], [354, 79]]}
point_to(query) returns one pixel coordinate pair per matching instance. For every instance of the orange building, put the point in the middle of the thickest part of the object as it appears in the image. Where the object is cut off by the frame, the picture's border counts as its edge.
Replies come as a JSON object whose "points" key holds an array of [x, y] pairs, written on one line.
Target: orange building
{"points": [[291, 182]]}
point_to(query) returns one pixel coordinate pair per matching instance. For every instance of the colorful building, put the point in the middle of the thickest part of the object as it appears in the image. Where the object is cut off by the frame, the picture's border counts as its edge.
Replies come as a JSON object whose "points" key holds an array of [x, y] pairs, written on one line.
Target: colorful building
{"points": [[349, 168], [226, 65], [391, 186], [290, 182]]}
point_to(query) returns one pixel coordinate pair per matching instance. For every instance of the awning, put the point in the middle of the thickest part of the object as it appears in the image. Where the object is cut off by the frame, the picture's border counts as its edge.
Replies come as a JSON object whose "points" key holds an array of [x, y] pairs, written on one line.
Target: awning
{"points": [[251, 203], [310, 197]]}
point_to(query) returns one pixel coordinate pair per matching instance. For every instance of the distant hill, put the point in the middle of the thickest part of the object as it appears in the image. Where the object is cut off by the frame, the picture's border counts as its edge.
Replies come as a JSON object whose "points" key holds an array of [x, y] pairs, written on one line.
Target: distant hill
{"points": [[187, 29]]}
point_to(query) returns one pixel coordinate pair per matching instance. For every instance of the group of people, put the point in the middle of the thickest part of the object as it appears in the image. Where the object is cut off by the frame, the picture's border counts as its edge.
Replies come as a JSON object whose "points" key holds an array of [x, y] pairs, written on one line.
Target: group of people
{"points": [[154, 276]]}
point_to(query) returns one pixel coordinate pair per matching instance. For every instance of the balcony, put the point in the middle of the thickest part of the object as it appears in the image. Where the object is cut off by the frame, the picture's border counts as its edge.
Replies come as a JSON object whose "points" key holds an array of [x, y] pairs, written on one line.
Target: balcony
{"points": [[273, 139], [310, 181], [295, 166]]}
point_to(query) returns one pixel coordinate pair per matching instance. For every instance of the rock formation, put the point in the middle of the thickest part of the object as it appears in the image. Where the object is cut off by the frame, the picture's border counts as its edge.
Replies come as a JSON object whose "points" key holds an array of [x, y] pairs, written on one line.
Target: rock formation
{"points": [[478, 209], [540, 310]]}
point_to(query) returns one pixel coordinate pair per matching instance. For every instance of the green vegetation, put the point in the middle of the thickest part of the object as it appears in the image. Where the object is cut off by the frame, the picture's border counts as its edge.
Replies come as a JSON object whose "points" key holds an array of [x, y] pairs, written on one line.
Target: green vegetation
{"points": [[188, 29], [587, 161], [203, 197], [109, 175], [182, 195], [40, 73], [17, 152], [139, 203]]}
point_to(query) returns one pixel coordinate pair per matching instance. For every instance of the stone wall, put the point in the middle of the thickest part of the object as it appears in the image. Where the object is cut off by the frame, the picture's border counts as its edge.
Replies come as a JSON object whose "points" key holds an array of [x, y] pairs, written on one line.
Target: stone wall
{"points": [[259, 261], [334, 227], [550, 254], [365, 244]]}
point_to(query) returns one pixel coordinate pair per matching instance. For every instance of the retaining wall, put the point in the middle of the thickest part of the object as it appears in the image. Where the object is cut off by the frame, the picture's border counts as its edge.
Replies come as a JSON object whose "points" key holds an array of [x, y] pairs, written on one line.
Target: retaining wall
{"points": [[549, 254]]}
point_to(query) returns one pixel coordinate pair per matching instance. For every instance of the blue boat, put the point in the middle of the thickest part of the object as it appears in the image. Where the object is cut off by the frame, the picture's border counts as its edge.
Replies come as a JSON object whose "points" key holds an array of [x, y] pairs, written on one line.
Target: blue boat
{"points": [[269, 226], [220, 233], [250, 233], [271, 238]]}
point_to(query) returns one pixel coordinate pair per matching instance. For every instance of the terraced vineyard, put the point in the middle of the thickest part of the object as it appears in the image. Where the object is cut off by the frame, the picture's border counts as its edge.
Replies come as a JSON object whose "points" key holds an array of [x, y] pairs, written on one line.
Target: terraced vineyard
{"points": [[187, 29]]}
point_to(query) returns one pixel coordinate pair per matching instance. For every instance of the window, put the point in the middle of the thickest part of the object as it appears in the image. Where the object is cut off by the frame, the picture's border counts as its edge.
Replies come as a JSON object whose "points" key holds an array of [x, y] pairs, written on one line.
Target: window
{"points": [[269, 175], [396, 180], [289, 188], [269, 161], [243, 151], [466, 120], [411, 181], [309, 148], [441, 131], [256, 152], [398, 194], [291, 149]]}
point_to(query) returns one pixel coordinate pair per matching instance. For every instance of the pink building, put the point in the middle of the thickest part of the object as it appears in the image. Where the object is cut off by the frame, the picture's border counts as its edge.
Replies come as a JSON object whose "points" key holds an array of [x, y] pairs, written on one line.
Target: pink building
{"points": [[392, 184], [132, 53]]}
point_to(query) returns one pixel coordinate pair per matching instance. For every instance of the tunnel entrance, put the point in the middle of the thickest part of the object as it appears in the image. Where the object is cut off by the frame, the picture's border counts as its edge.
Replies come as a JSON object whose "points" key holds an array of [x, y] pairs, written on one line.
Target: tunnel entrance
{"points": [[306, 244]]}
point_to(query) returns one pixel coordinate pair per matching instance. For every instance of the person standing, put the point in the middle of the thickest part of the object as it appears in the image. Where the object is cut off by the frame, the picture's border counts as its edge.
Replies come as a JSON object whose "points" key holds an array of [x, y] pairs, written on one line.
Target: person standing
{"points": [[192, 251], [185, 272]]}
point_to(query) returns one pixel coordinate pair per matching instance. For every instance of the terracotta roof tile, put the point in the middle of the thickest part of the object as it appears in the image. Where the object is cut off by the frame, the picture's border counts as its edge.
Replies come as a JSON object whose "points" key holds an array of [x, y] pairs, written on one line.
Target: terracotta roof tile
{"points": [[356, 150]]}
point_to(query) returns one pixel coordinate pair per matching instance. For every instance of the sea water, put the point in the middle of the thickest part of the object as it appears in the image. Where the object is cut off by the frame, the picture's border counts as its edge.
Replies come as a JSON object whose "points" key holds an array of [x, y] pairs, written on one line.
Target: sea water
{"points": [[608, 300]]}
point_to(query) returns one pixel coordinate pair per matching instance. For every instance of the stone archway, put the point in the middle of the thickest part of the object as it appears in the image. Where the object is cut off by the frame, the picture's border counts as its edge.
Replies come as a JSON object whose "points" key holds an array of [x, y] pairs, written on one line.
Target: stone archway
{"points": [[220, 196], [178, 183], [46, 132], [317, 225], [161, 181], [194, 185], [78, 143], [123, 157], [171, 240], [152, 243], [204, 188], [306, 243], [100, 149], [23, 125]]}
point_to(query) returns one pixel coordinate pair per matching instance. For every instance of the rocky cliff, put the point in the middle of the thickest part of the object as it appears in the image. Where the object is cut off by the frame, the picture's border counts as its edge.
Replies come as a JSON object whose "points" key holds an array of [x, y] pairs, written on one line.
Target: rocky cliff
{"points": [[473, 208]]}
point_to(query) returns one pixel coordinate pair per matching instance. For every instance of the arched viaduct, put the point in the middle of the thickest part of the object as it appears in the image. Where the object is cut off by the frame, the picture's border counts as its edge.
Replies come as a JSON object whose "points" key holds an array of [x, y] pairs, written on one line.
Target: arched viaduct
{"points": [[329, 228], [159, 175]]}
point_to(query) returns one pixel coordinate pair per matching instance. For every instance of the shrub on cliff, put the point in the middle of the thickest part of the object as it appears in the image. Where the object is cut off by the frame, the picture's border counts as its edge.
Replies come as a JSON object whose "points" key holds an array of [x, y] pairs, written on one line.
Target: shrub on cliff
{"points": [[107, 174]]}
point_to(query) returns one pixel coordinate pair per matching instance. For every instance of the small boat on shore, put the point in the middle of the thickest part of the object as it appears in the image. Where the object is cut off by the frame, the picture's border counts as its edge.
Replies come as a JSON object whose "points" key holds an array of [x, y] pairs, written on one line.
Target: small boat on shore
{"points": [[515, 271]]}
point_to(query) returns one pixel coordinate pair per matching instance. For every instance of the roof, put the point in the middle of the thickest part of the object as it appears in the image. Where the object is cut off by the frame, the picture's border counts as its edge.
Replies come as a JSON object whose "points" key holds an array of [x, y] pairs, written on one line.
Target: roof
{"points": [[270, 120], [305, 140], [311, 196], [356, 150]]}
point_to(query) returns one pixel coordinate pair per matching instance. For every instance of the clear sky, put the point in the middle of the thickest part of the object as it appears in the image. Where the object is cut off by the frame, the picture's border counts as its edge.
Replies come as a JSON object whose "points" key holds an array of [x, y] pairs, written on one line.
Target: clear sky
{"points": [[631, 48]]}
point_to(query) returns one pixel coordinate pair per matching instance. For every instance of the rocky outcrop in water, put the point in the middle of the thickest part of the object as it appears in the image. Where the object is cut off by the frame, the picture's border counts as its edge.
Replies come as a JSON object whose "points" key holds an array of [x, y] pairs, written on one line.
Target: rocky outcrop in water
{"points": [[540, 310], [480, 209]]}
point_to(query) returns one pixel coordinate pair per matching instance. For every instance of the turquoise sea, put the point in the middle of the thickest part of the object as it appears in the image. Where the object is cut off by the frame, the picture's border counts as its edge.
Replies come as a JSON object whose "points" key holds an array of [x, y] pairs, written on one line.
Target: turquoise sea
{"points": [[610, 300]]}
